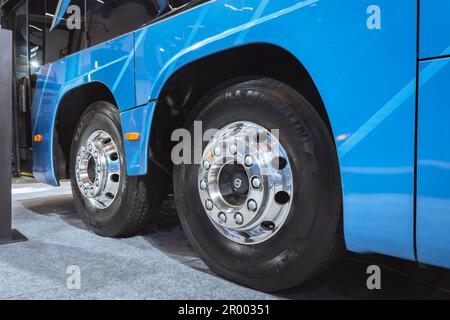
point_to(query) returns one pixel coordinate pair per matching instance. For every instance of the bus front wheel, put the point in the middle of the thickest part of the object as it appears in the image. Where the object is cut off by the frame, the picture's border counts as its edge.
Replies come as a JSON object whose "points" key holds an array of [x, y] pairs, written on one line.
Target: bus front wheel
{"points": [[110, 202]]}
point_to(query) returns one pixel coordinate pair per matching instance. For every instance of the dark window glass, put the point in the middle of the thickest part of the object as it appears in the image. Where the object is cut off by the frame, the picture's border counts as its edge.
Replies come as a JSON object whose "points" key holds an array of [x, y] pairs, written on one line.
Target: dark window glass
{"points": [[99, 21], [107, 19], [68, 36], [175, 4], [36, 34], [19, 26]]}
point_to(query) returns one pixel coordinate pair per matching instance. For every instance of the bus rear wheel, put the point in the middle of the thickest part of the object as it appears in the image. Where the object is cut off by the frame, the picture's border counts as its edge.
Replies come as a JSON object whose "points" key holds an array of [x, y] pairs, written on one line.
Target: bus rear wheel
{"points": [[263, 206], [110, 202]]}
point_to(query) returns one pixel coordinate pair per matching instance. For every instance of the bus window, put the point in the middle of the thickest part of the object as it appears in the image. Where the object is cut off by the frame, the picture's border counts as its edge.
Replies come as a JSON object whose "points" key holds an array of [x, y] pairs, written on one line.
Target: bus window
{"points": [[36, 33], [63, 40], [19, 27], [175, 4], [111, 18]]}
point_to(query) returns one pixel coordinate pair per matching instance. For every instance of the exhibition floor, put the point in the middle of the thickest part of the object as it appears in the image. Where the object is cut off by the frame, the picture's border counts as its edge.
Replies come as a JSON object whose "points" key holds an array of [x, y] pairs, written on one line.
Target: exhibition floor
{"points": [[160, 264]]}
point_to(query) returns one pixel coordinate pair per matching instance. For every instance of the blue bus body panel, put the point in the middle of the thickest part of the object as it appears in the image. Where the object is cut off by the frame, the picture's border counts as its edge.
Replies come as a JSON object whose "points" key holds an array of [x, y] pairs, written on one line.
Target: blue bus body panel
{"points": [[111, 64], [366, 79], [434, 27], [136, 152], [433, 193]]}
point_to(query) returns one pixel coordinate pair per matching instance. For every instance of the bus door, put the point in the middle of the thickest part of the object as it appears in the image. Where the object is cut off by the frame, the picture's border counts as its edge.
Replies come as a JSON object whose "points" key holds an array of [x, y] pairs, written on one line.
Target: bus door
{"points": [[433, 145], [22, 90]]}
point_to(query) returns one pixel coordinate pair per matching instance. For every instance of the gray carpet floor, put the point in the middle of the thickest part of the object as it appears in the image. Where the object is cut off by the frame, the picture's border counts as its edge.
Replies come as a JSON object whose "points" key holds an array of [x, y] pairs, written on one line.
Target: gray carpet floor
{"points": [[160, 264]]}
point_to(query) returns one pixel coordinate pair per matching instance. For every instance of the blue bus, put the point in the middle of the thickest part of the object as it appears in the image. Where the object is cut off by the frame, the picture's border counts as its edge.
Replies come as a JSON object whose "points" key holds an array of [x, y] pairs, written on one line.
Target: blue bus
{"points": [[348, 103]]}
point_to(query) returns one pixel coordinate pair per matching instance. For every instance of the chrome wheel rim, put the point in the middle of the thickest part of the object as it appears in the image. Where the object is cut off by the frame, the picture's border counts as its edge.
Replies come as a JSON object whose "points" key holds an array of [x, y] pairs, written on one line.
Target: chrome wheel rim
{"points": [[245, 183], [98, 170]]}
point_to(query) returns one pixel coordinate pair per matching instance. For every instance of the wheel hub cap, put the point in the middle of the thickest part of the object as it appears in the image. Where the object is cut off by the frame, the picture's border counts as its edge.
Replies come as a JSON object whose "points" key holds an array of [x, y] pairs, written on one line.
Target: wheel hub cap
{"points": [[245, 183], [97, 169], [240, 183]]}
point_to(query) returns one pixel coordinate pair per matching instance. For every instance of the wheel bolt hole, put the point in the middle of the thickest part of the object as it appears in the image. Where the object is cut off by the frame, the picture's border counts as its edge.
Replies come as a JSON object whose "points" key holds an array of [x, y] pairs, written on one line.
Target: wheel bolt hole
{"points": [[115, 178], [109, 195], [268, 225], [91, 166], [107, 140], [282, 197], [279, 163], [114, 156]]}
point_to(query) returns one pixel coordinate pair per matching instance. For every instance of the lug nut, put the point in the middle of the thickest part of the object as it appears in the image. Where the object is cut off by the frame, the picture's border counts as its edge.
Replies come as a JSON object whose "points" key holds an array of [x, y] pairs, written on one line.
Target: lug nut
{"points": [[92, 191], [209, 204], [95, 154], [90, 147], [98, 168], [203, 185], [256, 183], [252, 205], [206, 165], [233, 149], [83, 149], [222, 217], [97, 182], [238, 218], [248, 161], [217, 151], [85, 191]]}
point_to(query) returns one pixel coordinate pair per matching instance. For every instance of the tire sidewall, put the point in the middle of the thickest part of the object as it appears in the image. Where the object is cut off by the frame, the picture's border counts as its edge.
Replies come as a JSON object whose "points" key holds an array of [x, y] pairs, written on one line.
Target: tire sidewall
{"points": [[278, 261], [109, 221]]}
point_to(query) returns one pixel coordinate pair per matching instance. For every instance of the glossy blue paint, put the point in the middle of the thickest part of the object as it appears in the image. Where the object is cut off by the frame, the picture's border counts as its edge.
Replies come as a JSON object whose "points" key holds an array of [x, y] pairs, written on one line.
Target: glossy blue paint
{"points": [[433, 192], [110, 64], [366, 79], [434, 27], [137, 120]]}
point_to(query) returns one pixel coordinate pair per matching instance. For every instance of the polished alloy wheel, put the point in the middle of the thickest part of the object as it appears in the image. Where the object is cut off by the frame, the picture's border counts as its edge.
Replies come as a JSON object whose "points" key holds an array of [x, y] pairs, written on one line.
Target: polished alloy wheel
{"points": [[98, 169], [245, 183]]}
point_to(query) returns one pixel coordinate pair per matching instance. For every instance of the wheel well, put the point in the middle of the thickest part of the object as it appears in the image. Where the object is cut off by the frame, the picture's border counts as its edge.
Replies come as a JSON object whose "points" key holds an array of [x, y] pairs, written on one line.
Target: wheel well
{"points": [[192, 82], [70, 109]]}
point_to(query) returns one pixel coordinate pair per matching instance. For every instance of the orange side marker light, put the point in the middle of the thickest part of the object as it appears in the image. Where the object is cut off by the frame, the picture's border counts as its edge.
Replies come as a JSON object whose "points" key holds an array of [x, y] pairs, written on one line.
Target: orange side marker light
{"points": [[37, 138], [342, 137], [132, 136]]}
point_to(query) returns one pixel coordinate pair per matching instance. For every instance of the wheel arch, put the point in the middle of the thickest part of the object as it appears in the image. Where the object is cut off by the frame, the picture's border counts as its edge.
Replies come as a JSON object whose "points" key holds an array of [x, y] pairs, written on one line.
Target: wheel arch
{"points": [[186, 86], [70, 108]]}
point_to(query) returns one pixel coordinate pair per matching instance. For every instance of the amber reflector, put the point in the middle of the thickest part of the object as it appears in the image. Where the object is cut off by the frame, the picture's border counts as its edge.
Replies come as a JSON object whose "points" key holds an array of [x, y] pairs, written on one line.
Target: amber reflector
{"points": [[132, 136], [37, 138]]}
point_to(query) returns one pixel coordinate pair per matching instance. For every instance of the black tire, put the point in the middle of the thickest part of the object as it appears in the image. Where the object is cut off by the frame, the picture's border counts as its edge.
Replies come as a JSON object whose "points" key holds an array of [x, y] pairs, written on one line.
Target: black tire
{"points": [[311, 237], [138, 196]]}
